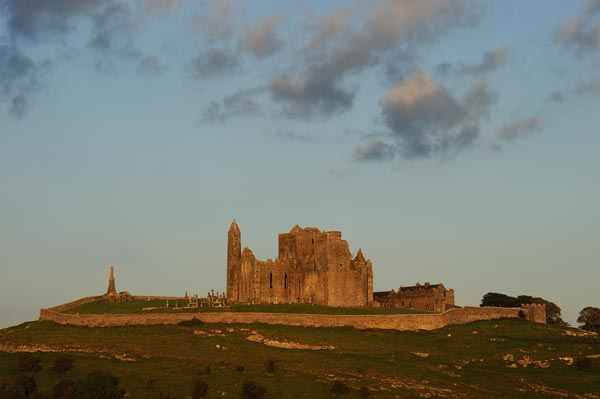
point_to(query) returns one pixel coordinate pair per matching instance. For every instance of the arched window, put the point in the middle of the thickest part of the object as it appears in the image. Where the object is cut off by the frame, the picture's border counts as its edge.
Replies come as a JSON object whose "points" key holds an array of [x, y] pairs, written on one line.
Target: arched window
{"points": [[271, 280], [285, 280]]}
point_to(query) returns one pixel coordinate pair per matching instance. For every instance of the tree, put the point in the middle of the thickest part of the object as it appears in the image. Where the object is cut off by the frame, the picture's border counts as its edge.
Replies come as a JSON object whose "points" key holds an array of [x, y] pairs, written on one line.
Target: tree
{"points": [[339, 388], [553, 312], [98, 385], [29, 363], [64, 389], [252, 390], [62, 364], [499, 300], [589, 318], [200, 390]]}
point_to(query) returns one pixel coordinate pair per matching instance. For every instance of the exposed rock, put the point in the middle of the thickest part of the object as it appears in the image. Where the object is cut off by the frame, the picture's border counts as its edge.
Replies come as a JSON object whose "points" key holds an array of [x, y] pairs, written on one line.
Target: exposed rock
{"points": [[287, 344]]}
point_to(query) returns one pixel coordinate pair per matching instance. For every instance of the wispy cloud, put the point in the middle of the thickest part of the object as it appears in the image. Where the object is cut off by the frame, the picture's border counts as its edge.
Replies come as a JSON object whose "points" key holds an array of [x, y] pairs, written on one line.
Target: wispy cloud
{"points": [[582, 32], [373, 150], [262, 39], [491, 61], [519, 128], [242, 102]]}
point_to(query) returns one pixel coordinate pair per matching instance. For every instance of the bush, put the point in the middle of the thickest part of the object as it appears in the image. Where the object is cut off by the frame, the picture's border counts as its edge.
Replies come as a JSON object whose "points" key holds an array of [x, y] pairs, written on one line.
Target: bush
{"points": [[583, 362], [150, 384], [239, 369], [62, 364], [21, 387], [252, 390], [206, 370], [165, 396], [25, 385], [271, 366], [9, 391], [521, 314], [98, 385], [339, 388], [39, 396], [64, 389], [191, 323], [364, 392], [200, 390], [29, 363]]}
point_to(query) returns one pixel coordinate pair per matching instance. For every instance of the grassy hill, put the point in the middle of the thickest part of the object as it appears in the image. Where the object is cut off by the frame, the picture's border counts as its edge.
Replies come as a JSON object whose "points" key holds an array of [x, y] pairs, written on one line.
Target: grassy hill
{"points": [[462, 361]]}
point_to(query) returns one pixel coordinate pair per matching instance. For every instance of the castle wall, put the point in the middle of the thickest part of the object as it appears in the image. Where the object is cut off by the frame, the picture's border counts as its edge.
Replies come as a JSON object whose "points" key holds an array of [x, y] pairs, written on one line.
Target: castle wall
{"points": [[401, 322]]}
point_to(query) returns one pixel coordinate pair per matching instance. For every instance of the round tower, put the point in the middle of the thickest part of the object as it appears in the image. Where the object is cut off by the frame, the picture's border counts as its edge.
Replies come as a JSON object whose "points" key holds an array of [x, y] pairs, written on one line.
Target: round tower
{"points": [[234, 260]]}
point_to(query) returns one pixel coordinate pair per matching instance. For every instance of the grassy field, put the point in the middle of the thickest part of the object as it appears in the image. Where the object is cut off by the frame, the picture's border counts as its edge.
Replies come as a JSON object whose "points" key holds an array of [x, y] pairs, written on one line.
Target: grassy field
{"points": [[102, 307], [462, 361]]}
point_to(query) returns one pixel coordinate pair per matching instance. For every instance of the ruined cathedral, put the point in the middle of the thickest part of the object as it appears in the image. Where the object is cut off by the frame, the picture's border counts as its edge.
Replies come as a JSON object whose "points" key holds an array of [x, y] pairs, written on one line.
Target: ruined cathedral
{"points": [[312, 266]]}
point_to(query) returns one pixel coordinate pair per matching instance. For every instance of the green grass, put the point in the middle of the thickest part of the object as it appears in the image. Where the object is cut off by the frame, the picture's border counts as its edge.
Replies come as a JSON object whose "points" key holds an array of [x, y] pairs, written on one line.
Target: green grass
{"points": [[102, 307], [465, 361]]}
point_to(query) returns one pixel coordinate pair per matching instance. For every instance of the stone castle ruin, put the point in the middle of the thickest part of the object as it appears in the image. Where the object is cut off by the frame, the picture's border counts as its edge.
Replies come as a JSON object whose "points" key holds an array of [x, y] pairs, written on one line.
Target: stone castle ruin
{"points": [[312, 266]]}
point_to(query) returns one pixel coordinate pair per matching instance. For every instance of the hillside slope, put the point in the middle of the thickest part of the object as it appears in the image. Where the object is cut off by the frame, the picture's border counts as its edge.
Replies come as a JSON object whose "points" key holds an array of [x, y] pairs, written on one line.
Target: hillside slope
{"points": [[493, 359]]}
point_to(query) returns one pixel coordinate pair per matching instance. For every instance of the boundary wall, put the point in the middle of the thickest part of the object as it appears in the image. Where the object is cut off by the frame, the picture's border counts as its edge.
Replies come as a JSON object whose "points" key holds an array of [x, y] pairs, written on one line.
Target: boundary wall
{"points": [[400, 322]]}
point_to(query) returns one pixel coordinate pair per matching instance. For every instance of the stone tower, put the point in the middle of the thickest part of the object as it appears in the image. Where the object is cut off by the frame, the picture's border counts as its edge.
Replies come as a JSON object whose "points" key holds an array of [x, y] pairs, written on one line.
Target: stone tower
{"points": [[112, 290], [234, 259]]}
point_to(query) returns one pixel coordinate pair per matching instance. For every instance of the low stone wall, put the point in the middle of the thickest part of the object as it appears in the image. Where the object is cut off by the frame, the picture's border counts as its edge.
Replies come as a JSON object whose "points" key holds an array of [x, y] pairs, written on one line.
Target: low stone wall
{"points": [[401, 322], [78, 302]]}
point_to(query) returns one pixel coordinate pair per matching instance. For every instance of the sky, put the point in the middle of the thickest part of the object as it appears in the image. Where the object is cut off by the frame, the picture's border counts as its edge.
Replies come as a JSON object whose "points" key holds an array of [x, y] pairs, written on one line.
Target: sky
{"points": [[454, 141]]}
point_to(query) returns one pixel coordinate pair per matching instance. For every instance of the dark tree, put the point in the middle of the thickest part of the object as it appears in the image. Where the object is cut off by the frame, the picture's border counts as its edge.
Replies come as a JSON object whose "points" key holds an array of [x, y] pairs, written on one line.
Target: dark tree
{"points": [[98, 385], [499, 300], [200, 390], [62, 364], [339, 388], [270, 366], [29, 363], [589, 318], [64, 389], [252, 390]]}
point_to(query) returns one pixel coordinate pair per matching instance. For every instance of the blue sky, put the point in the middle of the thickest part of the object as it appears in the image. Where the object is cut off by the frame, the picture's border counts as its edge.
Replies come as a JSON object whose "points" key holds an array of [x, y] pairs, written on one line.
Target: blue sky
{"points": [[453, 141]]}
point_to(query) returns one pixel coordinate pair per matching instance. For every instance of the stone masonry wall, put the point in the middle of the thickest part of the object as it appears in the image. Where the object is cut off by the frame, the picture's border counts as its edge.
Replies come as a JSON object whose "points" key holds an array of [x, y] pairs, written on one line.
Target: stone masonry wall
{"points": [[401, 322]]}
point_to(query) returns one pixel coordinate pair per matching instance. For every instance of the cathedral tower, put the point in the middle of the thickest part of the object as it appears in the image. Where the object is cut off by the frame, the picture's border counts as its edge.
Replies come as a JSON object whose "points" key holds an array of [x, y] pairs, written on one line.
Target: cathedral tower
{"points": [[234, 260]]}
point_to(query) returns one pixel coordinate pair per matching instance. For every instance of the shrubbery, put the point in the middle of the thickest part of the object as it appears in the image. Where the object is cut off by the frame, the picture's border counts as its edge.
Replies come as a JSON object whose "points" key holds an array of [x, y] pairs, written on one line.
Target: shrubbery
{"points": [[21, 387], [62, 364], [339, 388], [583, 362], [200, 390], [29, 363], [191, 323], [252, 390], [270, 365], [64, 389], [98, 385]]}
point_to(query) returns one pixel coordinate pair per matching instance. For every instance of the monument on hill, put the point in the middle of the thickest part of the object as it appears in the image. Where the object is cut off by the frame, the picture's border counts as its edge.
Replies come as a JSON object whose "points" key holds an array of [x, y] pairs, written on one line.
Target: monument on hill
{"points": [[111, 293], [312, 266], [112, 290]]}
